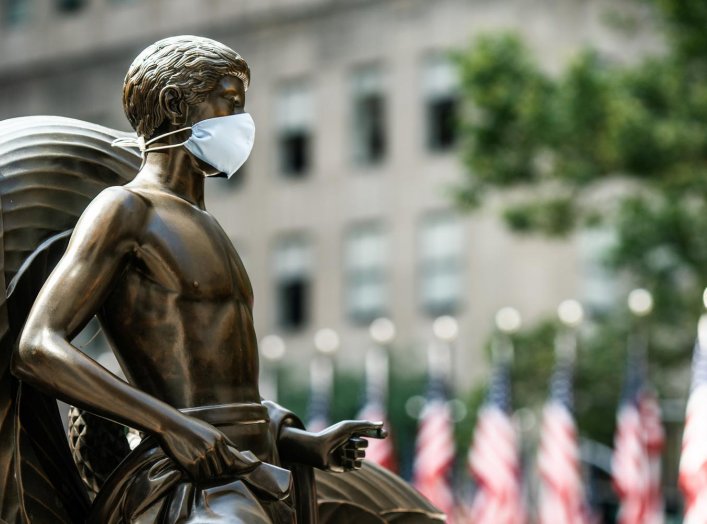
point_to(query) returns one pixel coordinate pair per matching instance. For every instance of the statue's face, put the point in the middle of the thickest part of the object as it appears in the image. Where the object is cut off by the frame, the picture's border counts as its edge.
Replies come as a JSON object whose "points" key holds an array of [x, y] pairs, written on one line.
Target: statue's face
{"points": [[226, 98]]}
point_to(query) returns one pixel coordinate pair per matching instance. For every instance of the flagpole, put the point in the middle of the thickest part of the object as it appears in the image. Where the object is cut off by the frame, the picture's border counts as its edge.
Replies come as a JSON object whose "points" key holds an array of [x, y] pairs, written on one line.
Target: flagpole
{"points": [[382, 332], [440, 355], [640, 303], [272, 349], [571, 315], [508, 322], [321, 375]]}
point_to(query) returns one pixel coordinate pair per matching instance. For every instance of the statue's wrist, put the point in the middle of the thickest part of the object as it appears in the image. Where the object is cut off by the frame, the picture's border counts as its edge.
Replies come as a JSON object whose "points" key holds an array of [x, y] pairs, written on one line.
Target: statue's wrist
{"points": [[301, 447], [167, 422]]}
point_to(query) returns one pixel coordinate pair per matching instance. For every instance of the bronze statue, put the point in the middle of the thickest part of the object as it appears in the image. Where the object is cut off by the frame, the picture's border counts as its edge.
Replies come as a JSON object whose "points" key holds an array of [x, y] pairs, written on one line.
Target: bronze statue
{"points": [[175, 302]]}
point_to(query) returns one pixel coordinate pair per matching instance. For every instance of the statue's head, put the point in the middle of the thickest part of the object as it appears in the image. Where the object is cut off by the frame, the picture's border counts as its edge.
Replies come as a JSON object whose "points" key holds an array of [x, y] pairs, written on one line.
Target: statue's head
{"points": [[174, 74]]}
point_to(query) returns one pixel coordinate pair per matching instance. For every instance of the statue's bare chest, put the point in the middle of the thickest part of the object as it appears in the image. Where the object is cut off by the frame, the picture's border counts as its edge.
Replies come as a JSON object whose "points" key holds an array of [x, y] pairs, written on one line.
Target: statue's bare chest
{"points": [[185, 250]]}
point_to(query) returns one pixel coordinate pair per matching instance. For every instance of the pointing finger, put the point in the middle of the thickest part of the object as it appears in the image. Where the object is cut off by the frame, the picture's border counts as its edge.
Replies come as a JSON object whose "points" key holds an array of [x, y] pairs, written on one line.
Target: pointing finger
{"points": [[366, 428], [373, 432]]}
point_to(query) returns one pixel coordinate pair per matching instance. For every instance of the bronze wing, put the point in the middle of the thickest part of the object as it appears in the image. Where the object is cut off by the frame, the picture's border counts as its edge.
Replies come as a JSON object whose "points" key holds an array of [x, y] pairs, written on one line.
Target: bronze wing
{"points": [[50, 169], [371, 495]]}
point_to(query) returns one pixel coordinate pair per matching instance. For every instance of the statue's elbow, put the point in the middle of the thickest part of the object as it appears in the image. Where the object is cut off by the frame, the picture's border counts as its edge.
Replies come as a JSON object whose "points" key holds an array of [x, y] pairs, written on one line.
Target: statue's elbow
{"points": [[28, 355]]}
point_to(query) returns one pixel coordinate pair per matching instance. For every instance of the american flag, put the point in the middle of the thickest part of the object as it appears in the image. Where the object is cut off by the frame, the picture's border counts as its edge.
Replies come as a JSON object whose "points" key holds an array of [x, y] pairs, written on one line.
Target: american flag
{"points": [[493, 458], [638, 445], [693, 461], [561, 495], [380, 451], [434, 453]]}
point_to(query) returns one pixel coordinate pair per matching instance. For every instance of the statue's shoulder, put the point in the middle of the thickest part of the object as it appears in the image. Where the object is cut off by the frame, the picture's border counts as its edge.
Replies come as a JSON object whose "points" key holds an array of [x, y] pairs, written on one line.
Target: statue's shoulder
{"points": [[115, 210], [121, 199]]}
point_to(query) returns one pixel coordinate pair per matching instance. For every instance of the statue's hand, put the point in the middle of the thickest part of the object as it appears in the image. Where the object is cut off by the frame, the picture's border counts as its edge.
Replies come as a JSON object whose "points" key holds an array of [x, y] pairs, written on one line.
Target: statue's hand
{"points": [[203, 451], [341, 446]]}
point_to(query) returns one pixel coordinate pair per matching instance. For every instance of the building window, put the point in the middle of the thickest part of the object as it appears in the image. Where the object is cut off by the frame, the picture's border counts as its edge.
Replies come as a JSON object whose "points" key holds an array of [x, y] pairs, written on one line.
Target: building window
{"points": [[293, 269], [15, 12], [68, 6], [365, 260], [440, 263], [295, 121], [441, 102], [369, 132]]}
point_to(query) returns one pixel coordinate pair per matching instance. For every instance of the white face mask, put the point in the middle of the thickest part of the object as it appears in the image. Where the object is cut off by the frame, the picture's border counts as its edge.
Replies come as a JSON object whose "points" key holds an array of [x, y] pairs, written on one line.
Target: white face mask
{"points": [[223, 142]]}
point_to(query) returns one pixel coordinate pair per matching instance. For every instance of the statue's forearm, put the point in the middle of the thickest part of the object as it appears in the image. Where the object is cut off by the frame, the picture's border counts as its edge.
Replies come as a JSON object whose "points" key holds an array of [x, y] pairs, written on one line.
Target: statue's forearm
{"points": [[48, 361], [294, 444], [299, 446]]}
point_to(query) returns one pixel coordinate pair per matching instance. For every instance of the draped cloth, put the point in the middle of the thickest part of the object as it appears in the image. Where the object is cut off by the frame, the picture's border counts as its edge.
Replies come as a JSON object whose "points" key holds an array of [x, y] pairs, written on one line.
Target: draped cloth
{"points": [[149, 488]]}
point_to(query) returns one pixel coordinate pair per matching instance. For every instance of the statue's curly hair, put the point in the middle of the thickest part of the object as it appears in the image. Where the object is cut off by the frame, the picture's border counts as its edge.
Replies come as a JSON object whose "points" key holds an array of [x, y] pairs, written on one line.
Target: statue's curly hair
{"points": [[192, 64]]}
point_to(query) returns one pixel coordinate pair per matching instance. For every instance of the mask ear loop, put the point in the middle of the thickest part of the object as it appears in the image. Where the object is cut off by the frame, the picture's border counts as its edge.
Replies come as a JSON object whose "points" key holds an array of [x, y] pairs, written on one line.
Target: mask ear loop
{"points": [[139, 142]]}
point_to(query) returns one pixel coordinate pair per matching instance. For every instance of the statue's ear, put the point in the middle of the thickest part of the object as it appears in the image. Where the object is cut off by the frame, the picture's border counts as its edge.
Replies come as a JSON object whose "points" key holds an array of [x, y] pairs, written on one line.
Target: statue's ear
{"points": [[173, 104]]}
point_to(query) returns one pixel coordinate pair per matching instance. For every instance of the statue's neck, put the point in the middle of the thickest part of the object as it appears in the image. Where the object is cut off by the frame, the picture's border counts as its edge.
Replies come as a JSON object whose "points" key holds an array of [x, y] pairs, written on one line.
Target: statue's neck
{"points": [[176, 171]]}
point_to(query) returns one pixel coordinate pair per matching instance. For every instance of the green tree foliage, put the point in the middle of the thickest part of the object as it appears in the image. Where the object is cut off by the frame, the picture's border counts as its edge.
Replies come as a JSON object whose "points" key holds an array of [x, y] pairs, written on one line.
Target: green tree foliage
{"points": [[552, 143]]}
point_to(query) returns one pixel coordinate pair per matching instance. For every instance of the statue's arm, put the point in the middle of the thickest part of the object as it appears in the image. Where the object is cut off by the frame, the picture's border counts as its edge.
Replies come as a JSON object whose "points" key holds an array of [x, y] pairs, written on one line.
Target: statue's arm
{"points": [[99, 250]]}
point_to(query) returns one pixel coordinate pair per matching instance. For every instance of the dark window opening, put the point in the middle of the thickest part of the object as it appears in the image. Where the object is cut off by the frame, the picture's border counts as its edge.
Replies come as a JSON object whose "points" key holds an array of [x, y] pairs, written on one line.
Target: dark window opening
{"points": [[69, 6], [294, 153], [442, 123], [370, 123], [292, 303]]}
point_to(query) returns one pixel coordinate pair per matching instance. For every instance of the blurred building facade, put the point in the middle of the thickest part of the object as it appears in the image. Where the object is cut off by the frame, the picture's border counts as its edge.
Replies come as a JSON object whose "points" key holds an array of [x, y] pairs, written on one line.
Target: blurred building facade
{"points": [[343, 212]]}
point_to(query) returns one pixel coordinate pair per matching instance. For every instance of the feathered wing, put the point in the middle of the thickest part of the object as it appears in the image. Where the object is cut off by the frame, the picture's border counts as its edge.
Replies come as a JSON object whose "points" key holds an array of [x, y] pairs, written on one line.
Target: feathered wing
{"points": [[50, 170]]}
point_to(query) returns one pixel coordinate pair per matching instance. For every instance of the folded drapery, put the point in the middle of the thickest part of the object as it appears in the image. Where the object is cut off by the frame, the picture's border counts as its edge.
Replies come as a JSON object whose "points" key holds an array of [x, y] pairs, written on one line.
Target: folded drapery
{"points": [[149, 487]]}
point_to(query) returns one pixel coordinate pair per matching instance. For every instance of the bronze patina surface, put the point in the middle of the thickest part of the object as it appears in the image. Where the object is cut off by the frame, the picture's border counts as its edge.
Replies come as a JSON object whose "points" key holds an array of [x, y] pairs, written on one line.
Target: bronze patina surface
{"points": [[175, 301]]}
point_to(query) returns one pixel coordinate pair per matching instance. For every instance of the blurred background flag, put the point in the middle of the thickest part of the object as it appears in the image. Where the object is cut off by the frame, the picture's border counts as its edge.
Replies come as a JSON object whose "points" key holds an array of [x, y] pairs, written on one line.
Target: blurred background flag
{"points": [[380, 451], [493, 458], [561, 494], [434, 448], [629, 466], [693, 461], [639, 437]]}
